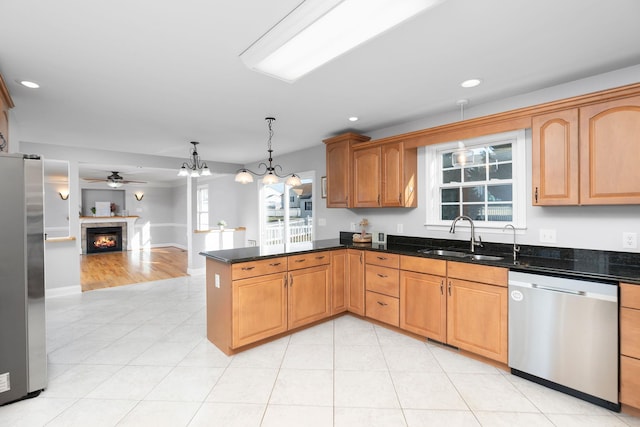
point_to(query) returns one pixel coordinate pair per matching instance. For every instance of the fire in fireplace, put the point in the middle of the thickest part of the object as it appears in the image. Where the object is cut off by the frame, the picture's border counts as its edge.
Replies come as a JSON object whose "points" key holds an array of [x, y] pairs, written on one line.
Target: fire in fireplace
{"points": [[104, 239]]}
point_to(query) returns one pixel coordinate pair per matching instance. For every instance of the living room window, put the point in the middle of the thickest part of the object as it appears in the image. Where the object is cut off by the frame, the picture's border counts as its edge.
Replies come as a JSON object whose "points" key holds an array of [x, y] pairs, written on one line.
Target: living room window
{"points": [[202, 202], [483, 178]]}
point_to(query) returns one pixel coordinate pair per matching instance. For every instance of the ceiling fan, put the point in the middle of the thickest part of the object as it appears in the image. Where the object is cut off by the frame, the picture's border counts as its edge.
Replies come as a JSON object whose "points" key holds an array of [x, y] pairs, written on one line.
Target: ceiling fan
{"points": [[114, 180]]}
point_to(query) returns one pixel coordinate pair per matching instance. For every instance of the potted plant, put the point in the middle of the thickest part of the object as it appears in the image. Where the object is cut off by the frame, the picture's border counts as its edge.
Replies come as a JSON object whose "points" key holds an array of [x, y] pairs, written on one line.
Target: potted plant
{"points": [[222, 224], [93, 211]]}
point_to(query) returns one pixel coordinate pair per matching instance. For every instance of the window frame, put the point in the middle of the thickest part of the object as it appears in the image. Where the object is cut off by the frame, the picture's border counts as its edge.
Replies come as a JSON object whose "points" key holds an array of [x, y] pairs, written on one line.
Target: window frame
{"points": [[200, 190], [433, 178]]}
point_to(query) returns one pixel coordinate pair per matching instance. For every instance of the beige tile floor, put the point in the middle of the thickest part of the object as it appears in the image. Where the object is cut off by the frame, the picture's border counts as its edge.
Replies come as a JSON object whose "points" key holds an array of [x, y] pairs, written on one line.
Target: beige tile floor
{"points": [[137, 356]]}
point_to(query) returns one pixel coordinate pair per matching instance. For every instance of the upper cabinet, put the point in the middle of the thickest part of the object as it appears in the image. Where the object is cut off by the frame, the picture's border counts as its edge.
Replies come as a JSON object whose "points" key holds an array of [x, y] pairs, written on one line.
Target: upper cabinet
{"points": [[587, 155], [5, 105], [555, 158], [339, 168], [610, 152], [365, 175]]}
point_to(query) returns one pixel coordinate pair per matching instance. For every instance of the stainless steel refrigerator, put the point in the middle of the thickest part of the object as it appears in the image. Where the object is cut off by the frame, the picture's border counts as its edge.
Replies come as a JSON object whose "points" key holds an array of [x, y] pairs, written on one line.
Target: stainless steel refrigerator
{"points": [[23, 357]]}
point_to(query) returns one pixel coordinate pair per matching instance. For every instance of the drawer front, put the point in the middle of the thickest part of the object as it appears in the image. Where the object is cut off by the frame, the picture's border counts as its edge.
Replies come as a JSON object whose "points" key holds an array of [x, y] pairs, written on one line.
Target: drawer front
{"points": [[382, 259], [630, 381], [243, 270], [630, 295], [630, 332], [478, 273], [313, 259], [384, 308], [436, 267], [383, 280]]}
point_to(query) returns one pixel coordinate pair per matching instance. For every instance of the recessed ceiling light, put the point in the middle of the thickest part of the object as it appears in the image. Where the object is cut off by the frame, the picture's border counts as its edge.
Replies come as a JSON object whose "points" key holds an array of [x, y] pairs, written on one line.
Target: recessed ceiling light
{"points": [[353, 119], [29, 84], [471, 83]]}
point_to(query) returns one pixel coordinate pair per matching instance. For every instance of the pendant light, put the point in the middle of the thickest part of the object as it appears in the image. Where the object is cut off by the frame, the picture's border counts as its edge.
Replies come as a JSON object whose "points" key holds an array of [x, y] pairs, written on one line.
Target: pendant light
{"points": [[462, 156], [194, 167], [270, 175]]}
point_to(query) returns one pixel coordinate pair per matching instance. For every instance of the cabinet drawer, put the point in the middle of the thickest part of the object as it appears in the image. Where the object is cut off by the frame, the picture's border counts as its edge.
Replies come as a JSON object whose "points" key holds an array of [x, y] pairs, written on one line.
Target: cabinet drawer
{"points": [[383, 308], [383, 280], [478, 273], [313, 259], [630, 332], [382, 259], [630, 295], [243, 270], [436, 267], [630, 381]]}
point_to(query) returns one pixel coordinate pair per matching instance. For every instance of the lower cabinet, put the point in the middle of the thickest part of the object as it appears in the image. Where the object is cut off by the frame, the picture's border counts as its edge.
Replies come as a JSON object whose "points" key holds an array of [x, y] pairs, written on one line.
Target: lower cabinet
{"points": [[423, 305], [259, 308], [630, 344], [339, 281], [355, 294], [309, 295], [383, 308], [383, 290]]}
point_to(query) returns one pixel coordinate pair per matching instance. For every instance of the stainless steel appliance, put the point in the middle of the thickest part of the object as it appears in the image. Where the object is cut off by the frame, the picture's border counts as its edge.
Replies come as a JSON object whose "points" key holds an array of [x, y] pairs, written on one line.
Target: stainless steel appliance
{"points": [[23, 358], [563, 333]]}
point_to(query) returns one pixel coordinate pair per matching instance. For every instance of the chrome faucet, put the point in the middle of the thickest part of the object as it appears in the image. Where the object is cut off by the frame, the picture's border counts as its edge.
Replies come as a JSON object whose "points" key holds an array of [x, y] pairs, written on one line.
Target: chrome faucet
{"points": [[516, 248], [474, 243]]}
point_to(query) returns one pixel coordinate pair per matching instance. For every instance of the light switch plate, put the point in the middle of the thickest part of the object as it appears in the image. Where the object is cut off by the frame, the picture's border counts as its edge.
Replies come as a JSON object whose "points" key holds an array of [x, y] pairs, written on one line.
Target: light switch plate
{"points": [[378, 237], [547, 236]]}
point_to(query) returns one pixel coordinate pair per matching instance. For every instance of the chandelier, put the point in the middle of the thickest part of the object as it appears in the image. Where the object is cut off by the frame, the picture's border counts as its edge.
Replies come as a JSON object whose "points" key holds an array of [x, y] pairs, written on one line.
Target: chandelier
{"points": [[194, 167], [271, 176]]}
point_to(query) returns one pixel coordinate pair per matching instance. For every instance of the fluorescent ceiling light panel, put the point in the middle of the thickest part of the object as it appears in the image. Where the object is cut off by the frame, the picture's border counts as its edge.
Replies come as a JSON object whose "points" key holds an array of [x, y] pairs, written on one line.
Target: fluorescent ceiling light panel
{"points": [[318, 31]]}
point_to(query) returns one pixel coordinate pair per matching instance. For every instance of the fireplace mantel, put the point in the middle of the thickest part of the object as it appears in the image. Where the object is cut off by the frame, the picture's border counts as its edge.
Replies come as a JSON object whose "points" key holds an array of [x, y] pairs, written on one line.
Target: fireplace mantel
{"points": [[100, 221]]}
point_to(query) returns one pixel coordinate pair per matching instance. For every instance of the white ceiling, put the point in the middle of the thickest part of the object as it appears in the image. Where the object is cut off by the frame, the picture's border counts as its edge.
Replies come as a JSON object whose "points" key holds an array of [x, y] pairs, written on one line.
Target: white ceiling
{"points": [[148, 76]]}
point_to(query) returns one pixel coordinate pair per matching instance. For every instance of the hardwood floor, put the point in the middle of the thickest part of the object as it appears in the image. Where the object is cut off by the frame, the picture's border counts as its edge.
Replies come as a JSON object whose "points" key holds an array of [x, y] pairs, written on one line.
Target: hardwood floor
{"points": [[107, 270]]}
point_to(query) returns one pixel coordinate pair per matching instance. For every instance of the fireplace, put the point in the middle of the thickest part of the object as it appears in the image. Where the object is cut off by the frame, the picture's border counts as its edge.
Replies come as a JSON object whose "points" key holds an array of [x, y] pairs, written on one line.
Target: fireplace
{"points": [[104, 239]]}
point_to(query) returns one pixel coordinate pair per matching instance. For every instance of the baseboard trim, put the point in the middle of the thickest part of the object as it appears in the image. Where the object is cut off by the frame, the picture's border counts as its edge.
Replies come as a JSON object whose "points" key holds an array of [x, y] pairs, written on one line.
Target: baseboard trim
{"points": [[196, 271], [63, 291]]}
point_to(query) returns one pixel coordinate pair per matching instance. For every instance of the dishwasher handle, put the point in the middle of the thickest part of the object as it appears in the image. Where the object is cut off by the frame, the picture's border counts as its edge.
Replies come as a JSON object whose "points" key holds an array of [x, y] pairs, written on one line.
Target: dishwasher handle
{"points": [[564, 291]]}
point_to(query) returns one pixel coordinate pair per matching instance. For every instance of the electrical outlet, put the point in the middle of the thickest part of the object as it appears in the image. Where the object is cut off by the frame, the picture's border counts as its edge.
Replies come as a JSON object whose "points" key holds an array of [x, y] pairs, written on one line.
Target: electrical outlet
{"points": [[353, 226], [629, 240], [217, 280], [399, 228], [322, 222], [547, 236]]}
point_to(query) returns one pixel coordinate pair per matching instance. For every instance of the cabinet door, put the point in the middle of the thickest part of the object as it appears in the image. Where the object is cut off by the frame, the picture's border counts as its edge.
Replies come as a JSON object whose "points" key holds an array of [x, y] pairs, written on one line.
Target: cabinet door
{"points": [[338, 174], [309, 295], [423, 305], [477, 318], [630, 381], [339, 281], [366, 177], [609, 152], [392, 175], [555, 158], [355, 299], [259, 308]]}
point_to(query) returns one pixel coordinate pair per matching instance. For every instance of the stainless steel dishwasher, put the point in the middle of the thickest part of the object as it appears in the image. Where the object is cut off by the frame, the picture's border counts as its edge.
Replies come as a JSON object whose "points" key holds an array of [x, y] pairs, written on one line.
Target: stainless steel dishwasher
{"points": [[563, 333]]}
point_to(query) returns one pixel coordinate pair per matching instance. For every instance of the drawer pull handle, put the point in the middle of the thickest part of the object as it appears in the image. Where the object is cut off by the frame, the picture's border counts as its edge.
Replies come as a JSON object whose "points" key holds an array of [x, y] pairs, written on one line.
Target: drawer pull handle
{"points": [[382, 258], [247, 268], [274, 264], [320, 257], [442, 287], [286, 280], [301, 260], [449, 287], [382, 275], [382, 303], [291, 280]]}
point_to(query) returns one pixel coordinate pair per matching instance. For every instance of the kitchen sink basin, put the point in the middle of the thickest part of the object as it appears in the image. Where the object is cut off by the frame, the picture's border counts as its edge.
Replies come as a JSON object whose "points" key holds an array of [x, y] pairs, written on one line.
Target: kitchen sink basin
{"points": [[443, 252], [484, 257]]}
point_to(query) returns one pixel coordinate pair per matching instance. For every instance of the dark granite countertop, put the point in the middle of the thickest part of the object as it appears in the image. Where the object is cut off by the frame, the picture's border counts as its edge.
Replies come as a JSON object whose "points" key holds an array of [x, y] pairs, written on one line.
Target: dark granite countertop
{"points": [[578, 263]]}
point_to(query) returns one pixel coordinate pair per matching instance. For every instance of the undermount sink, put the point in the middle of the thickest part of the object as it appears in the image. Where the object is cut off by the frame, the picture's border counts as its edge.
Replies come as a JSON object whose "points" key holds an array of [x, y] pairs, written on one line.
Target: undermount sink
{"points": [[458, 254], [479, 257], [443, 252]]}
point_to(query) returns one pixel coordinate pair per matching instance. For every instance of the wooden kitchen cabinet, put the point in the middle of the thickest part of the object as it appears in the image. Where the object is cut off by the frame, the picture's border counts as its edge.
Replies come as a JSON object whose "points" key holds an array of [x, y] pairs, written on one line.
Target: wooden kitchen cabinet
{"points": [[587, 155], [355, 294], [384, 176], [339, 156], [309, 295], [259, 308], [423, 301], [630, 344], [339, 281], [555, 159], [477, 316], [6, 103], [609, 152], [382, 284]]}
